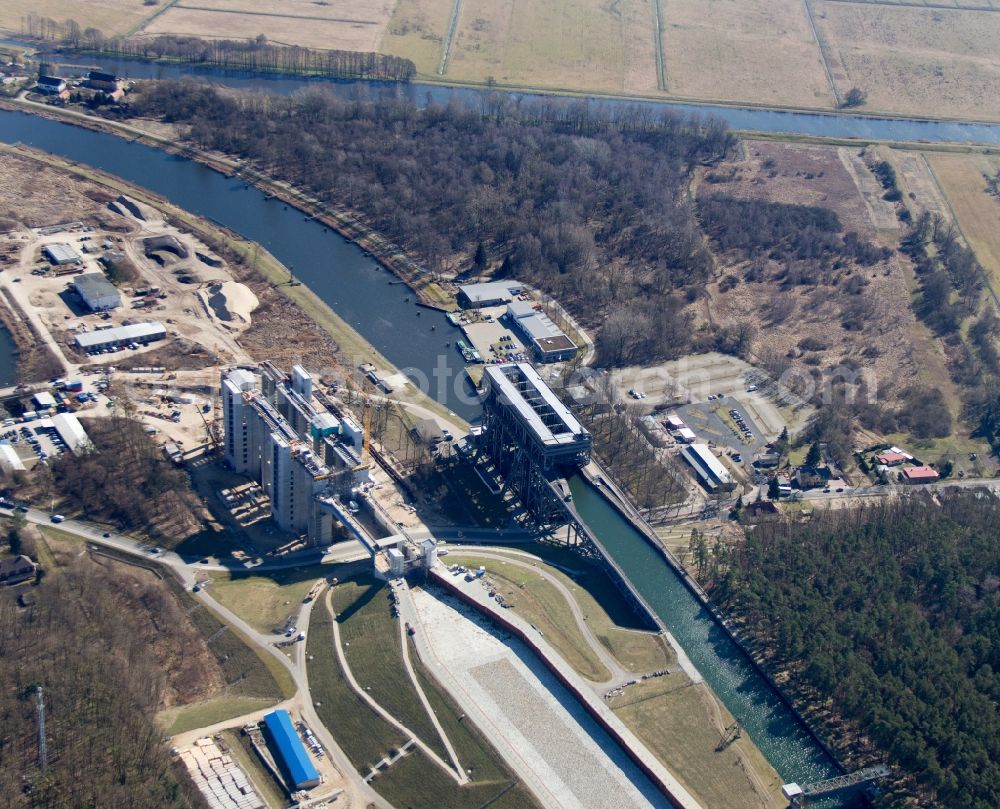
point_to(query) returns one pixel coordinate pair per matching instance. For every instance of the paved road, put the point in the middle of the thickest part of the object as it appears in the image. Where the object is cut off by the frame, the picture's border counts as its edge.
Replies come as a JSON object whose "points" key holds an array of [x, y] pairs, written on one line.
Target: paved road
{"points": [[363, 794]]}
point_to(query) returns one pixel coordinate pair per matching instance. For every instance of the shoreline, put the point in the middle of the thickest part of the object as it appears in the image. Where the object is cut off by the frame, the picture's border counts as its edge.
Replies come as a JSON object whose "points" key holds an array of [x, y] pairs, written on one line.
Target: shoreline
{"points": [[434, 80], [716, 614], [349, 342]]}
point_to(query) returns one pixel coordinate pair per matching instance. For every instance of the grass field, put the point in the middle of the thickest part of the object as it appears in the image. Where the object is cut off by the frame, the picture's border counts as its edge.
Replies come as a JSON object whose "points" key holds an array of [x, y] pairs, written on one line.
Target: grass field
{"points": [[417, 31], [681, 723], [110, 16], [370, 637], [265, 600], [365, 737], [537, 601], [578, 44], [749, 50], [210, 712], [912, 60], [609, 617], [358, 28], [960, 177]]}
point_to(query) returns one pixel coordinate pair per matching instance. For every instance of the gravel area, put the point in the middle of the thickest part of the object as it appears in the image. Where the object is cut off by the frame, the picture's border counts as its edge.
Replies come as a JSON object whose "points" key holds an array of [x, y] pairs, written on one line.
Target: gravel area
{"points": [[536, 725]]}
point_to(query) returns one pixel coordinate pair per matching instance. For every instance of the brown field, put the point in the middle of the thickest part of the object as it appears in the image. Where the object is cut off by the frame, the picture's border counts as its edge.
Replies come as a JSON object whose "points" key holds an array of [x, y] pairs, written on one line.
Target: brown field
{"points": [[575, 44], [111, 16], [977, 212], [351, 26], [968, 4], [892, 344], [914, 61], [417, 31], [751, 50]]}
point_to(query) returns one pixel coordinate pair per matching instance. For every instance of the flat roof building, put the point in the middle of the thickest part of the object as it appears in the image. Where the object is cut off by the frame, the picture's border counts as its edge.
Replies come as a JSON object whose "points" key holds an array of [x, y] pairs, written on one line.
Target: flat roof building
{"points": [[545, 338], [141, 333], [97, 292], [554, 430], [289, 752], [674, 422], [59, 253], [71, 431], [44, 400], [709, 469], [491, 293], [686, 435]]}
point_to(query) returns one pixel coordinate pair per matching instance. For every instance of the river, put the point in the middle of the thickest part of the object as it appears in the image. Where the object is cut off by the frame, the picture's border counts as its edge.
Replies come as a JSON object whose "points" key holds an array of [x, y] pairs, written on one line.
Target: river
{"points": [[746, 119], [360, 291]]}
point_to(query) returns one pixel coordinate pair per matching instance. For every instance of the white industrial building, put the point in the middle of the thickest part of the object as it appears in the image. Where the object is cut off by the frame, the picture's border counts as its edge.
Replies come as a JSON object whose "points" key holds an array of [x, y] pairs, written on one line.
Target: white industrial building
{"points": [[709, 469], [71, 431], [491, 293], [59, 253], [10, 461], [536, 328], [278, 433], [97, 292], [140, 333], [44, 400]]}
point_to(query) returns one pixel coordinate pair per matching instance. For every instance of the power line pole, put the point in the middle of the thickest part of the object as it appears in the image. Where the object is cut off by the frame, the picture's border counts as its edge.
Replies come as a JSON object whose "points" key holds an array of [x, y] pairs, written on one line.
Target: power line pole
{"points": [[43, 758]]}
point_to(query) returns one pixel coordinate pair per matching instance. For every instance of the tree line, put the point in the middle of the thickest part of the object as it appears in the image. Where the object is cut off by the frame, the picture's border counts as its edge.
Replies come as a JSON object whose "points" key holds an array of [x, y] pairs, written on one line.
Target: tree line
{"points": [[893, 613], [586, 203], [82, 642], [257, 55]]}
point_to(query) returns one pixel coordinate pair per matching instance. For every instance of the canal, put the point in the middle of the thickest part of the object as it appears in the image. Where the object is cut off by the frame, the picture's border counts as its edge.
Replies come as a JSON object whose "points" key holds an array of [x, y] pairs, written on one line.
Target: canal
{"points": [[8, 358], [354, 286], [746, 119], [352, 283], [747, 695]]}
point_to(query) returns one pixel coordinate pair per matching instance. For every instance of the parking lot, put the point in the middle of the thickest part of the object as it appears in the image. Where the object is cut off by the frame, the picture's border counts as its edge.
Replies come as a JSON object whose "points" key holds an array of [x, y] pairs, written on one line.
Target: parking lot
{"points": [[714, 423], [35, 442]]}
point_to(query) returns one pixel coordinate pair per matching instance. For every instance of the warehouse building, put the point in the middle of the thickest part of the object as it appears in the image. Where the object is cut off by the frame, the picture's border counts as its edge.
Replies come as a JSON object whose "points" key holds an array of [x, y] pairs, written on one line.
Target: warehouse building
{"points": [[59, 254], [709, 469], [97, 292], [10, 461], [289, 752], [545, 338], [140, 333], [71, 431], [492, 293]]}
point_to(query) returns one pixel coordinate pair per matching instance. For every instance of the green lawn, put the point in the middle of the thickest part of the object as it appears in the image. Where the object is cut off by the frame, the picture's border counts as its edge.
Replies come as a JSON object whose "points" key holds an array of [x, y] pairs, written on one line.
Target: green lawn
{"points": [[540, 603], [265, 600], [611, 619], [247, 672], [370, 638], [413, 781], [674, 719], [210, 712]]}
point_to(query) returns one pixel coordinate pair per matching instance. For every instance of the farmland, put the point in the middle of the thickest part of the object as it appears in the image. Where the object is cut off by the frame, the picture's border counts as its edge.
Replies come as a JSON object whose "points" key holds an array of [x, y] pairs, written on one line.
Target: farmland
{"points": [[977, 212], [914, 61], [111, 16], [751, 50], [353, 25], [569, 43]]}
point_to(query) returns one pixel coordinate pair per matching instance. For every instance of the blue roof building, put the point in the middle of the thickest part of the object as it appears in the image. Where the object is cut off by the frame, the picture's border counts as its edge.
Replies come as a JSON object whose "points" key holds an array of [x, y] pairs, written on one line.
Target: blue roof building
{"points": [[289, 752]]}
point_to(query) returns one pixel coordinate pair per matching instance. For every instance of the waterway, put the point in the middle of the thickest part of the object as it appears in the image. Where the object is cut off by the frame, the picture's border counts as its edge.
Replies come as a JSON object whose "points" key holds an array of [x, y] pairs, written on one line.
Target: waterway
{"points": [[8, 358], [747, 695], [354, 286], [746, 119], [352, 283]]}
